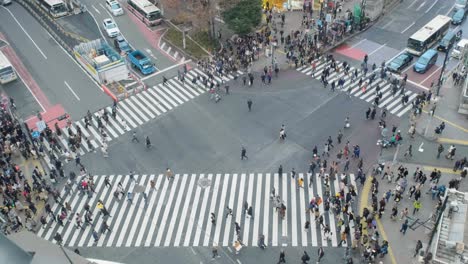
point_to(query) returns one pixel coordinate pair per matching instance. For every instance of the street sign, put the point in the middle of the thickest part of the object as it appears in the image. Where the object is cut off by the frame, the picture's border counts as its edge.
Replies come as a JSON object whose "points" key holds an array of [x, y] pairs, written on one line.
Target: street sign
{"points": [[41, 125], [35, 134]]}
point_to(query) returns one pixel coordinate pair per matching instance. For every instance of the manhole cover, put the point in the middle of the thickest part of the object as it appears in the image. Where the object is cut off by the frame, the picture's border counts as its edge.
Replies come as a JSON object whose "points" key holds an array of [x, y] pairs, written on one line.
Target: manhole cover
{"points": [[204, 183]]}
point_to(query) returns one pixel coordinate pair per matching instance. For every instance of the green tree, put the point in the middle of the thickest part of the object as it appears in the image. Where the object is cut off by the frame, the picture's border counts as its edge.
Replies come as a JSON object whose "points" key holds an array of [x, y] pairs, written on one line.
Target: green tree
{"points": [[243, 17]]}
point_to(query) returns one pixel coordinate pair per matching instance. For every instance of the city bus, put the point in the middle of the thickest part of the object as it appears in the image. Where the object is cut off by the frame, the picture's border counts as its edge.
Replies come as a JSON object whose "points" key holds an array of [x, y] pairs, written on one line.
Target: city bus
{"points": [[7, 72], [56, 8], [145, 11], [428, 35]]}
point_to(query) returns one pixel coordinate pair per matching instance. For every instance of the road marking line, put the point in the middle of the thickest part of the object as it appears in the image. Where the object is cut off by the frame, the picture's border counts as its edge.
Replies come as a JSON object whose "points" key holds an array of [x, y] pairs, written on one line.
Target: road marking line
{"points": [[103, 7], [164, 70], [176, 54], [418, 85], [453, 141], [412, 4], [389, 23], [435, 2], [450, 10], [377, 49], [358, 43], [421, 5], [412, 24], [95, 9], [71, 90], [193, 251], [429, 76], [22, 28], [443, 170]]}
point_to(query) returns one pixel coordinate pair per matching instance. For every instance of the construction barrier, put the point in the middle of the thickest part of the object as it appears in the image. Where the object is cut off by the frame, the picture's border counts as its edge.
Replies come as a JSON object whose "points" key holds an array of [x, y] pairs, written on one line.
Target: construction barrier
{"points": [[109, 93]]}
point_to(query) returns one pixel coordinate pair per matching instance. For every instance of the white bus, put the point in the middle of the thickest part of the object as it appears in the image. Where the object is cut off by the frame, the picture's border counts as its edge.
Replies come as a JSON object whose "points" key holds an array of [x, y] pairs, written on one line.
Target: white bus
{"points": [[145, 11], [7, 72], [56, 8], [425, 37]]}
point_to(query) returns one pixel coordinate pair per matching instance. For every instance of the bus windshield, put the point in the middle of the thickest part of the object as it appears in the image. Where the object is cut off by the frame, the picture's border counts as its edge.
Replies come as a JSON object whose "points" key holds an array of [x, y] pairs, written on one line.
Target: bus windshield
{"points": [[58, 8], [154, 15], [415, 44]]}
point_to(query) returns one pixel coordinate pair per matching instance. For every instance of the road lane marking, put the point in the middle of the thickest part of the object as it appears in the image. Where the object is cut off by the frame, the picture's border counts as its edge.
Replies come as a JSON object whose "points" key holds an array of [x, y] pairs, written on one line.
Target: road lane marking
{"points": [[450, 10], [377, 49], [453, 141], [95, 9], [429, 76], [164, 70], [29, 88], [435, 2], [421, 5], [442, 169], [98, 26], [404, 30], [358, 43], [22, 28], [412, 4], [389, 23], [71, 90]]}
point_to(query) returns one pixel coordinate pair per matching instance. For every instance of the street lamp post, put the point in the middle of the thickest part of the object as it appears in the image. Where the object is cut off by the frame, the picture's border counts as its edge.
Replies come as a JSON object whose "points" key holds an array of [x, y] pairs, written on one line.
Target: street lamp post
{"points": [[439, 82]]}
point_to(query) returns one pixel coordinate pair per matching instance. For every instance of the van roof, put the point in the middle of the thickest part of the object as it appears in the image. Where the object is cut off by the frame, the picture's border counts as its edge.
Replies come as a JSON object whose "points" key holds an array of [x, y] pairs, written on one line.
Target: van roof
{"points": [[462, 43]]}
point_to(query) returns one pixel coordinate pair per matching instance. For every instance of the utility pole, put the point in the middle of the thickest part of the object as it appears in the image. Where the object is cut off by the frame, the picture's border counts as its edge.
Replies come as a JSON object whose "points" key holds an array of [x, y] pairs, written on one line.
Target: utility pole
{"points": [[439, 83]]}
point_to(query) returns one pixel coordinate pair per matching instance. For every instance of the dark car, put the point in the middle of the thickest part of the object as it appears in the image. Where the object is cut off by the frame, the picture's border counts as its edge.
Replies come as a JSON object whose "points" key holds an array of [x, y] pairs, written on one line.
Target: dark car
{"points": [[400, 62], [122, 45]]}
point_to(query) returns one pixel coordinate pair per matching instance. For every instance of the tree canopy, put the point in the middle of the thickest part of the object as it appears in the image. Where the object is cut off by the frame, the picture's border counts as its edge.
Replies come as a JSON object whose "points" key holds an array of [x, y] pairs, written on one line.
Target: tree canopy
{"points": [[243, 17]]}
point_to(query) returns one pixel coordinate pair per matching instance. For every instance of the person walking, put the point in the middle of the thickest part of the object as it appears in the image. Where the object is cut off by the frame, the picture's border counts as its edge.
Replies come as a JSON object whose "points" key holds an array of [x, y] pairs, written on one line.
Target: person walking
{"points": [[404, 227], [417, 205], [300, 183], [293, 173], [280, 170], [409, 151], [305, 257], [440, 149], [107, 181], [339, 137], [320, 254], [105, 227], [249, 105], [148, 142], [244, 153], [250, 212], [134, 137], [307, 226], [419, 246], [95, 236], [238, 228], [78, 221], [229, 211], [214, 251], [213, 219], [282, 257]]}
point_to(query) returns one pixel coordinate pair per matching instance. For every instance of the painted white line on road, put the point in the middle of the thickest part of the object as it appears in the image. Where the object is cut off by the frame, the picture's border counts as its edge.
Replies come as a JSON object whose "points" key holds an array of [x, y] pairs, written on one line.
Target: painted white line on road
{"points": [[72, 59], [102, 6], [238, 261], [29, 88], [377, 49], [421, 5], [435, 2], [412, 4], [95, 9], [418, 85], [71, 90], [450, 10], [22, 28], [404, 30], [430, 76], [193, 251], [99, 27], [358, 43], [164, 70], [438, 10], [389, 23]]}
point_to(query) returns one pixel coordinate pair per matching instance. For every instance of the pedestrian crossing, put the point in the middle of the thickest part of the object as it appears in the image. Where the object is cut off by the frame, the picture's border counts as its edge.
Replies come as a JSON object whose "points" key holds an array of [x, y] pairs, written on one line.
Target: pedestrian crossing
{"points": [[393, 104], [135, 111], [177, 213]]}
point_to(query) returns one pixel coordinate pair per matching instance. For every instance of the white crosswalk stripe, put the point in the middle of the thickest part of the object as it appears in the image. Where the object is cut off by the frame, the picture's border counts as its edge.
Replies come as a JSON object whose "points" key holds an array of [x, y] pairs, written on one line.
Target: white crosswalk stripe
{"points": [[133, 112], [393, 104], [178, 212]]}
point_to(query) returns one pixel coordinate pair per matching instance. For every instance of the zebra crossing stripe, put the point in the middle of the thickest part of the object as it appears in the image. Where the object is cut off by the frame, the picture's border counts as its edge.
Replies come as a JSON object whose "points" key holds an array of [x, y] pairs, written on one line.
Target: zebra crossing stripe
{"points": [[163, 222], [220, 217], [148, 104], [396, 101], [401, 105], [201, 220], [229, 224], [257, 207], [134, 109], [159, 98], [181, 90], [152, 102], [294, 241], [163, 91], [239, 212], [274, 239], [248, 220], [185, 210], [144, 224], [124, 117], [175, 213], [284, 196], [135, 101], [172, 91], [209, 226], [303, 220], [188, 233], [154, 221]]}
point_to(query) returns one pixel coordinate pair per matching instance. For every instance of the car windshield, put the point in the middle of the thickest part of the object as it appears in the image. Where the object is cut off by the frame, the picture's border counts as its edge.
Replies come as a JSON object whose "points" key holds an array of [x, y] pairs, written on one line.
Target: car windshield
{"points": [[115, 6], [111, 26]]}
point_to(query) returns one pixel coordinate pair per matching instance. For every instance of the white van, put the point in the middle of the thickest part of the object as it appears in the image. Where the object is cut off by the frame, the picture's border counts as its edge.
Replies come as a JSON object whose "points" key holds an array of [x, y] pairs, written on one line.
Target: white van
{"points": [[114, 7], [458, 49]]}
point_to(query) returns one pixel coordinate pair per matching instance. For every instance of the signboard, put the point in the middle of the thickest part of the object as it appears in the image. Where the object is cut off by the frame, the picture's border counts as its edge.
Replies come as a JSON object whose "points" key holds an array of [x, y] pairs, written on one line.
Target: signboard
{"points": [[41, 125]]}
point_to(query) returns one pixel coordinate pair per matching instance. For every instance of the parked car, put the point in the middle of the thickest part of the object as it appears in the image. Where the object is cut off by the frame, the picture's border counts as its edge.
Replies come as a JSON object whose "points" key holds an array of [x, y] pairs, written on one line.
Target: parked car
{"points": [[122, 45], [458, 17], [114, 7], [111, 28], [400, 62]]}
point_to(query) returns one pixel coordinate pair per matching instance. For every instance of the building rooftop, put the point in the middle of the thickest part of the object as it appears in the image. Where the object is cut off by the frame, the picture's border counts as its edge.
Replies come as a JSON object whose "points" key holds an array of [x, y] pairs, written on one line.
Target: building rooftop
{"points": [[451, 241]]}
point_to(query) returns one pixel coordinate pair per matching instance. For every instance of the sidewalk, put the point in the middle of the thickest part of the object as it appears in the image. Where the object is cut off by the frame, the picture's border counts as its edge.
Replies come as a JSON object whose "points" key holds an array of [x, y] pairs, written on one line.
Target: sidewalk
{"points": [[402, 246]]}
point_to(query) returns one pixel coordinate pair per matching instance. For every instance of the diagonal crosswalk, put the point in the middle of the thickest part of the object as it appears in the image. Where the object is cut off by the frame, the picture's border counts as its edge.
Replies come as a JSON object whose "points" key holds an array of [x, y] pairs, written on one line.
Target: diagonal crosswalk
{"points": [[135, 111], [177, 213], [393, 104]]}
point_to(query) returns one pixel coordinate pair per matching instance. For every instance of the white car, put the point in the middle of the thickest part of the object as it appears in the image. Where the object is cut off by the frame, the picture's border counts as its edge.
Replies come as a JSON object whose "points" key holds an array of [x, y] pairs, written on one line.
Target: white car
{"points": [[111, 28], [114, 7]]}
